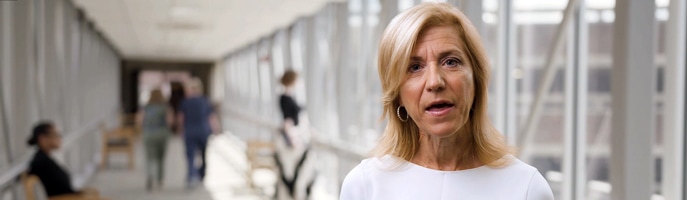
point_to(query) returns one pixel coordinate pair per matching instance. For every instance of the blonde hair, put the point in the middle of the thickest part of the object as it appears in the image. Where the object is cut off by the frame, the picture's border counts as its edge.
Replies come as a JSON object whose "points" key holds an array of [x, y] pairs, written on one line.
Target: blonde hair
{"points": [[156, 97], [401, 139], [195, 86]]}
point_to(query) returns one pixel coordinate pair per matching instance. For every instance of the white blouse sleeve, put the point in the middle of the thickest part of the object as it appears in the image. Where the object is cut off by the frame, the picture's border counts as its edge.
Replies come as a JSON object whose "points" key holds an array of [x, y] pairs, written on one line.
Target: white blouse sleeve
{"points": [[354, 185], [539, 189]]}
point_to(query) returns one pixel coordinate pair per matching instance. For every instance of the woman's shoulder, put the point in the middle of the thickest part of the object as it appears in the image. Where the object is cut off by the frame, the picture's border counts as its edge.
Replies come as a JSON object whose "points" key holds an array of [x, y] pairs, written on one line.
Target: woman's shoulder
{"points": [[357, 180], [358, 173], [284, 97], [40, 156], [373, 166], [514, 164], [39, 161], [514, 167], [537, 186]]}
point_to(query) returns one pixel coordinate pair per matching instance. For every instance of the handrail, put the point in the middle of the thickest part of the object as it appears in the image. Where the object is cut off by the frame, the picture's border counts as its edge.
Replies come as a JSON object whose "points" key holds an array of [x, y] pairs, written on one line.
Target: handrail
{"points": [[7, 177], [340, 149], [251, 119], [330, 145]]}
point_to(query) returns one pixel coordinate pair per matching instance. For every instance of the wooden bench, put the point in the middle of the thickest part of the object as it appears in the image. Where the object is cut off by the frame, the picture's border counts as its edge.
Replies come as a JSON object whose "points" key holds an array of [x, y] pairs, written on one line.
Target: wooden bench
{"points": [[260, 155], [34, 190], [118, 140]]}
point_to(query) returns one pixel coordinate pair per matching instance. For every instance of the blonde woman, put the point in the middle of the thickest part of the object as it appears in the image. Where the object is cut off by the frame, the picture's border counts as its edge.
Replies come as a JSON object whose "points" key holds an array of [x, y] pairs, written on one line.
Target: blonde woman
{"points": [[438, 143], [156, 119]]}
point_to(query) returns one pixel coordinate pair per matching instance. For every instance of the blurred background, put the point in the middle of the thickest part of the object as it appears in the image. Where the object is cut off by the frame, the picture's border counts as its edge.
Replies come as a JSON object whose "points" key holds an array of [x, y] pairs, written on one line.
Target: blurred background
{"points": [[597, 112]]}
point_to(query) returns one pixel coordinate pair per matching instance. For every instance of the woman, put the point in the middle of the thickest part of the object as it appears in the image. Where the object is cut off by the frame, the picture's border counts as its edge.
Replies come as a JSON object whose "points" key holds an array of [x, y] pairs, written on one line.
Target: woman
{"points": [[289, 108], [438, 143], [155, 119], [54, 178], [198, 121], [296, 170], [176, 96]]}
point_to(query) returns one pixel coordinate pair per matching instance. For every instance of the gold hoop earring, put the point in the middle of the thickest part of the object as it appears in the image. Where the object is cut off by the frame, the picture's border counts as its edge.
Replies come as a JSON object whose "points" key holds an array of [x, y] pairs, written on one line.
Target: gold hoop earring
{"points": [[398, 113]]}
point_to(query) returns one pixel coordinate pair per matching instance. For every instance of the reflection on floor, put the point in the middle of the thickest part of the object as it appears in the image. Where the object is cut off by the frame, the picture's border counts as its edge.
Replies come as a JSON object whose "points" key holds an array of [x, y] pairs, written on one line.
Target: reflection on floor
{"points": [[225, 175]]}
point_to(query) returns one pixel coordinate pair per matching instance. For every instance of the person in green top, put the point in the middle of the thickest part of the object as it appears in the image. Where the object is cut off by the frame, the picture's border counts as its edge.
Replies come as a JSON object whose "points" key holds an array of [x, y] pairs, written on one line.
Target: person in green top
{"points": [[155, 118]]}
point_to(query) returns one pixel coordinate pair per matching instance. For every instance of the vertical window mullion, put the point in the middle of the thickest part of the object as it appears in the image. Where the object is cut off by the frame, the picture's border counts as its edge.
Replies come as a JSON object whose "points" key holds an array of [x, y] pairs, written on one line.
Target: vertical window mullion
{"points": [[579, 126]]}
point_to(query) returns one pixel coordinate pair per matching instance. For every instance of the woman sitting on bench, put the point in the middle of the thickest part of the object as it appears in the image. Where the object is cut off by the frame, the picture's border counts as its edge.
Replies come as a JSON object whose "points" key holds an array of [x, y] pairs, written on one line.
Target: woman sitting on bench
{"points": [[54, 179]]}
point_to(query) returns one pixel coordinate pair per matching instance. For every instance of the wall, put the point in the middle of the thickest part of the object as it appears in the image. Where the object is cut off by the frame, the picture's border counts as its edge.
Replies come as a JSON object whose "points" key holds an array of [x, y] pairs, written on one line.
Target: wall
{"points": [[54, 65]]}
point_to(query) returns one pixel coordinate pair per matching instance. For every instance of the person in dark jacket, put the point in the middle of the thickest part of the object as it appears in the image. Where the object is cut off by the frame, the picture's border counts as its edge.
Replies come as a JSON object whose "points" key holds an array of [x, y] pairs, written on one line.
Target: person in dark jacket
{"points": [[289, 108], [288, 105], [198, 121], [54, 178]]}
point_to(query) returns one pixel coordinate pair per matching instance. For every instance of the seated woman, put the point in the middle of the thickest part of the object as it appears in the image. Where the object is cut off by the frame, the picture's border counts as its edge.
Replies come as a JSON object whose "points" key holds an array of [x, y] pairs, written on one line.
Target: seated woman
{"points": [[55, 180]]}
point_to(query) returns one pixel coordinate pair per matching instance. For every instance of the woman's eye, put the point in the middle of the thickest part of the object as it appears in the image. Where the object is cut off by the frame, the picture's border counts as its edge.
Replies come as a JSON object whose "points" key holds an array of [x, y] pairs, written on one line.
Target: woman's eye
{"points": [[452, 62], [414, 68]]}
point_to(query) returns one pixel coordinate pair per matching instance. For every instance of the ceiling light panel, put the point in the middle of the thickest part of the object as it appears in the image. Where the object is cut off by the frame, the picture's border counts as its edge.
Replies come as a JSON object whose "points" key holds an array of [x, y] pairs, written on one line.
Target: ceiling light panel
{"points": [[197, 28]]}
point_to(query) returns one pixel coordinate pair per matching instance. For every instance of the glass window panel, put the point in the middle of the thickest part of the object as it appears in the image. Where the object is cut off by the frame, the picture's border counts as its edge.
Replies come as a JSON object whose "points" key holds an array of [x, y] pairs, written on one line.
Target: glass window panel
{"points": [[253, 80], [298, 53], [266, 91], [404, 4], [600, 17], [350, 76], [491, 45], [278, 54], [4, 162], [373, 106], [536, 25], [6, 50], [661, 20], [21, 100]]}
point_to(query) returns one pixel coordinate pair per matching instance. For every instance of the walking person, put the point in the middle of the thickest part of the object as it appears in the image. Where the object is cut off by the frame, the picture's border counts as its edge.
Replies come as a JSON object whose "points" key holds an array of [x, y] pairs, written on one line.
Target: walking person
{"points": [[198, 121], [155, 118], [293, 159], [289, 109], [175, 98]]}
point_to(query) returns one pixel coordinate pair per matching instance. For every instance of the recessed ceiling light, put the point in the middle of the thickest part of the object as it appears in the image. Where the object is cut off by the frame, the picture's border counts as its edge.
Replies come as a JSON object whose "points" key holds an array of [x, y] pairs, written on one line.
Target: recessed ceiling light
{"points": [[176, 25], [183, 12]]}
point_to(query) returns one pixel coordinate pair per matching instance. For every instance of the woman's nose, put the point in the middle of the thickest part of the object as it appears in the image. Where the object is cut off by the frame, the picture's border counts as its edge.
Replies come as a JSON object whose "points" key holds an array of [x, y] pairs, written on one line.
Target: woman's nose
{"points": [[435, 79]]}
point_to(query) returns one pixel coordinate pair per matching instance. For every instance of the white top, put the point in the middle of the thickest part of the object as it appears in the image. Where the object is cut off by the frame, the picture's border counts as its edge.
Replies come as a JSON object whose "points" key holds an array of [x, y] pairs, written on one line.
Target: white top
{"points": [[376, 179]]}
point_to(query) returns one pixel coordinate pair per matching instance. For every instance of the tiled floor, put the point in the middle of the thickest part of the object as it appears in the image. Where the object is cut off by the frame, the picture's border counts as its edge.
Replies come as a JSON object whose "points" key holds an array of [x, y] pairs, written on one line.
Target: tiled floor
{"points": [[225, 180]]}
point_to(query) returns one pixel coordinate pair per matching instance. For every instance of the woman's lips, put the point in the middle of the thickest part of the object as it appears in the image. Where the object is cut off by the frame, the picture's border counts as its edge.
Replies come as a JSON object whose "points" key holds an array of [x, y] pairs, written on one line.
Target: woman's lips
{"points": [[439, 111]]}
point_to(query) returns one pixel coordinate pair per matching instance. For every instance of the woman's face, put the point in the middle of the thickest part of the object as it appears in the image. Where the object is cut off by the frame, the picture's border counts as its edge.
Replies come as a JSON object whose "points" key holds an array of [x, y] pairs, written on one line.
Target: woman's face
{"points": [[52, 140], [438, 89]]}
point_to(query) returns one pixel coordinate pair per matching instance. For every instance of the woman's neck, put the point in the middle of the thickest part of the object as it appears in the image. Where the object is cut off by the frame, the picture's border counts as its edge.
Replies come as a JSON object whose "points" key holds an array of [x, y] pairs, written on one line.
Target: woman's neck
{"points": [[45, 150], [447, 153], [288, 90]]}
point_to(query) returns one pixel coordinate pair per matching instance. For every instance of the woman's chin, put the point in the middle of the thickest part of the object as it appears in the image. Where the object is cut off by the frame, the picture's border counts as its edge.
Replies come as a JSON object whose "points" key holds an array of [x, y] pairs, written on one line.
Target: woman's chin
{"points": [[442, 130]]}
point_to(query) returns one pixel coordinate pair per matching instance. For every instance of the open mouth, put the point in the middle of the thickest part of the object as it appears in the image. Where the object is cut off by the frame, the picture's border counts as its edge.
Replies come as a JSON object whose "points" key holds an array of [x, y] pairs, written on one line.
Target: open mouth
{"points": [[439, 106]]}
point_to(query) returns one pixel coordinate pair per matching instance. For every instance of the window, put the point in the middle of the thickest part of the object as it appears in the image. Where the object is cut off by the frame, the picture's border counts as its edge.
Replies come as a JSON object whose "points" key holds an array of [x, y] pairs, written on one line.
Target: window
{"points": [[540, 136], [600, 80], [599, 98], [266, 92], [6, 50]]}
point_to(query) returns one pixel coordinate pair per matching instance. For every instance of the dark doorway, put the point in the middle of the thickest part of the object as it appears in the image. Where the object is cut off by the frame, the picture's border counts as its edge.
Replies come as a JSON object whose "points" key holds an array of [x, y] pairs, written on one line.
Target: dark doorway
{"points": [[132, 70]]}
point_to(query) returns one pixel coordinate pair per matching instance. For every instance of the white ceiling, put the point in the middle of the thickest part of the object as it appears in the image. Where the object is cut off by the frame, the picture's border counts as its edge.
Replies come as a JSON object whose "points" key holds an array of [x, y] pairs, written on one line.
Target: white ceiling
{"points": [[198, 30]]}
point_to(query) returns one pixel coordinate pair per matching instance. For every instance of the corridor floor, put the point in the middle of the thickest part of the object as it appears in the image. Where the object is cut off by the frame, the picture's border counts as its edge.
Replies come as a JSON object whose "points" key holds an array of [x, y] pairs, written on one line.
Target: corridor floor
{"points": [[225, 180]]}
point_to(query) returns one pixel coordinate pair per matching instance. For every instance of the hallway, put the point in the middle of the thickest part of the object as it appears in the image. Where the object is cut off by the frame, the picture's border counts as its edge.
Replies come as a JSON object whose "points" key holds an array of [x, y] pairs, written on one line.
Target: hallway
{"points": [[226, 169], [592, 94]]}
